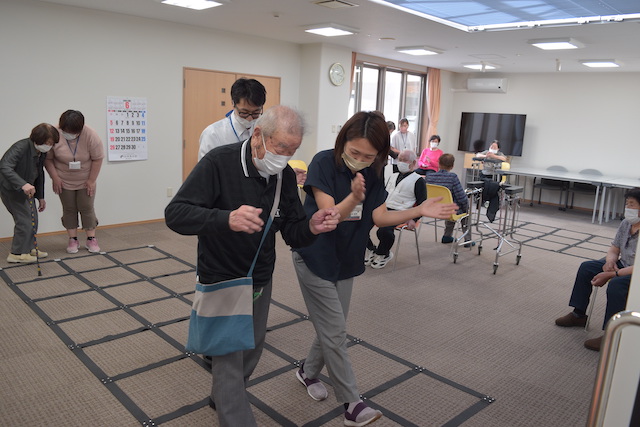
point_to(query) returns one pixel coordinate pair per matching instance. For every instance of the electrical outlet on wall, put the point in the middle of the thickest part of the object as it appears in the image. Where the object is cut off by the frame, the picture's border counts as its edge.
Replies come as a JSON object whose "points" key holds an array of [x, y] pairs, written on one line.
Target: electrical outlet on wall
{"points": [[169, 191]]}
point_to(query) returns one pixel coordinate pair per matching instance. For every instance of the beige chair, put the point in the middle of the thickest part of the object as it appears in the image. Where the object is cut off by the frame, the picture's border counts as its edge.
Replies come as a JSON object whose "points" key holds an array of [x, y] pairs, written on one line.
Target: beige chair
{"points": [[404, 227]]}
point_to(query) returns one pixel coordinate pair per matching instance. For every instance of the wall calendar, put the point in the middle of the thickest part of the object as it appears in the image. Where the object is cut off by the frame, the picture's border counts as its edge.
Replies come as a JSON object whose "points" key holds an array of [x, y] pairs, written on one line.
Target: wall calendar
{"points": [[126, 128]]}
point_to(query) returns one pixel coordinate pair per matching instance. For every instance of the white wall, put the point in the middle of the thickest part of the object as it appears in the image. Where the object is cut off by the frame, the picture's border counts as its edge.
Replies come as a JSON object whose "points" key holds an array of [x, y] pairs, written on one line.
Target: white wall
{"points": [[325, 105], [57, 57], [577, 120]]}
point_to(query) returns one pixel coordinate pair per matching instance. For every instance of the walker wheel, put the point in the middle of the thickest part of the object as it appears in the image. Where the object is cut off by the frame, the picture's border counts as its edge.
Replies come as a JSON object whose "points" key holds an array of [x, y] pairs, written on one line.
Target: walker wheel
{"points": [[479, 249]]}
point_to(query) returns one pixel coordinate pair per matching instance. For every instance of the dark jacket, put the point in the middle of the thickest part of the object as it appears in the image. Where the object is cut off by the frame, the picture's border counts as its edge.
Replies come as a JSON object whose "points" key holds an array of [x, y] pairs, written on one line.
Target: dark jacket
{"points": [[220, 183], [22, 164]]}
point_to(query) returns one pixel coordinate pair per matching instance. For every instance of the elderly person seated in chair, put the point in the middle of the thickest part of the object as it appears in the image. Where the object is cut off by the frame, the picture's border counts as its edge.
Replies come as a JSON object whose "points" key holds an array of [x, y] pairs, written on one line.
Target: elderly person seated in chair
{"points": [[446, 178], [616, 269], [409, 190]]}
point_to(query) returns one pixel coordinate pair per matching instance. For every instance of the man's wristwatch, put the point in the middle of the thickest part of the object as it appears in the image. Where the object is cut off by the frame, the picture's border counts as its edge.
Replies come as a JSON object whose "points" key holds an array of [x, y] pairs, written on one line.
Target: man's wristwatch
{"points": [[617, 275]]}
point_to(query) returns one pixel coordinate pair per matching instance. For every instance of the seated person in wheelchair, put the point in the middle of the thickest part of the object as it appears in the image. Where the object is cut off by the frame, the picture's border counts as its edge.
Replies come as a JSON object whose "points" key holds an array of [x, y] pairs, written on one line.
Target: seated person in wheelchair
{"points": [[446, 178], [409, 190], [616, 269]]}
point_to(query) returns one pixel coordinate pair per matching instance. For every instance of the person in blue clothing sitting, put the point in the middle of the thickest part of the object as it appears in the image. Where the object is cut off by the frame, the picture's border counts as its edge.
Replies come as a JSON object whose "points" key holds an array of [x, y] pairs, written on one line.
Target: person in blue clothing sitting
{"points": [[615, 268], [446, 178]]}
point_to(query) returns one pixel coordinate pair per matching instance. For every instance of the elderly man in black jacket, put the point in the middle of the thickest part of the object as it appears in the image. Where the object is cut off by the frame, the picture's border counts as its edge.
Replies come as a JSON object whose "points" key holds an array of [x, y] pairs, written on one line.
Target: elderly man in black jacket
{"points": [[225, 201]]}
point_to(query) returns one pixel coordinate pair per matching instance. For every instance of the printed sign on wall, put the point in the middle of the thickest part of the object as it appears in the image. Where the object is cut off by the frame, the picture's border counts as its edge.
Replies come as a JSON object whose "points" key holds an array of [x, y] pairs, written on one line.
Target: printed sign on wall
{"points": [[126, 128]]}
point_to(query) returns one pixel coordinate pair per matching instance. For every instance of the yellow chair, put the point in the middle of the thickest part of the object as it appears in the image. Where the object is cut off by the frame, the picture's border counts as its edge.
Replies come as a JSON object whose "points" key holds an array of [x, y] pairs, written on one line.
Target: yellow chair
{"points": [[441, 191], [505, 167], [299, 164]]}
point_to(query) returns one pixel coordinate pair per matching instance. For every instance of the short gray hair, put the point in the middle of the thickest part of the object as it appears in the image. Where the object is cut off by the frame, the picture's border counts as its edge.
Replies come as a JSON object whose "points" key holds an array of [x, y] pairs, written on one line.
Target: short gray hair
{"points": [[283, 118], [410, 155]]}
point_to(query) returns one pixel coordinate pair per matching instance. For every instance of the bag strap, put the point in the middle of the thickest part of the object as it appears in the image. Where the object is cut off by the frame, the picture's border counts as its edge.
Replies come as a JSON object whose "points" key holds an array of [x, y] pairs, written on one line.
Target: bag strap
{"points": [[276, 202]]}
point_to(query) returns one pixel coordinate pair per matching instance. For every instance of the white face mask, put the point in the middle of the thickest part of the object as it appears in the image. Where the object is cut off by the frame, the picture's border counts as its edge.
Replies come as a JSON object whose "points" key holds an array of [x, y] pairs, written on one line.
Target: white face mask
{"points": [[43, 148], [404, 167], [69, 136], [491, 150], [434, 145], [631, 215], [271, 163], [246, 123]]}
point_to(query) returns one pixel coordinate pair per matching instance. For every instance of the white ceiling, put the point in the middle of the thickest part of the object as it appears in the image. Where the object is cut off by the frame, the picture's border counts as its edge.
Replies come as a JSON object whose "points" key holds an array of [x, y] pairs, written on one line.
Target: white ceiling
{"points": [[285, 20]]}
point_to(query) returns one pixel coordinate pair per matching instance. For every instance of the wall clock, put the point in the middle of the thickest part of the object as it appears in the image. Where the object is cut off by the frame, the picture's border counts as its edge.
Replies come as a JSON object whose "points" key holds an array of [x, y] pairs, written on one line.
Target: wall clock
{"points": [[336, 74]]}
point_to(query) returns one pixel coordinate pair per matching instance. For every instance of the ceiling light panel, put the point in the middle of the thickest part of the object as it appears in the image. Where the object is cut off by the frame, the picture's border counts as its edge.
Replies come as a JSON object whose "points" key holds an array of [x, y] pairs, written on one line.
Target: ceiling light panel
{"points": [[335, 4], [600, 63], [556, 44], [193, 4], [418, 50], [331, 30]]}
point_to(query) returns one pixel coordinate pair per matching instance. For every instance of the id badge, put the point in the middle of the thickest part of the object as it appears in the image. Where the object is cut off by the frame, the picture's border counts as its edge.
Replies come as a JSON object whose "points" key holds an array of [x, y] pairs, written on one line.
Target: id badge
{"points": [[356, 213], [74, 165]]}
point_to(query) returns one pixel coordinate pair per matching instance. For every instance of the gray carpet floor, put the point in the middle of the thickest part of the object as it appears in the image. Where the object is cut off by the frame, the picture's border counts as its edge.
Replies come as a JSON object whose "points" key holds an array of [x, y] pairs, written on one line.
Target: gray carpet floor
{"points": [[98, 339]]}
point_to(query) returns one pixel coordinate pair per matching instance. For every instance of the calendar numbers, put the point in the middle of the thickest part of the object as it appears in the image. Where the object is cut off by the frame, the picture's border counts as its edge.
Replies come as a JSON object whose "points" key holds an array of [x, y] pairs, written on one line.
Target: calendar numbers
{"points": [[127, 128]]}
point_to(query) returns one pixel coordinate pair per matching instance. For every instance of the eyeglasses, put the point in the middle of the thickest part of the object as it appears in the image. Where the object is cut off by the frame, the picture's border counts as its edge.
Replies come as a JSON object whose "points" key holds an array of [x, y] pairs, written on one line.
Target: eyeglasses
{"points": [[246, 114]]}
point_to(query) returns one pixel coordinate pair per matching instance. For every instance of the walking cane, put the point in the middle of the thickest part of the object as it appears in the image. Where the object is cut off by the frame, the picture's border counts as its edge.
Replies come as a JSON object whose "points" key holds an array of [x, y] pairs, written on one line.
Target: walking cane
{"points": [[35, 240]]}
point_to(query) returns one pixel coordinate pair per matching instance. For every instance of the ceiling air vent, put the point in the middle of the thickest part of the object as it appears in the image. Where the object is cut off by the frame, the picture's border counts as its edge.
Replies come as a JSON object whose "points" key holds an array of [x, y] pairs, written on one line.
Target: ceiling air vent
{"points": [[334, 4]]}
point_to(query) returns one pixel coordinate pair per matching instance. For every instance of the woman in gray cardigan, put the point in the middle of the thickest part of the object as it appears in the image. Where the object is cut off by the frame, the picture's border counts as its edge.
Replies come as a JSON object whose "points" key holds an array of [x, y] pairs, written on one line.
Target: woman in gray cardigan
{"points": [[22, 179]]}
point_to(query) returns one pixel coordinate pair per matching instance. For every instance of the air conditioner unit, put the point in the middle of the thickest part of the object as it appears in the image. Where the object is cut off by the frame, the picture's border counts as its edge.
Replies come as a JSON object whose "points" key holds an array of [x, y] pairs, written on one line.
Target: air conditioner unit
{"points": [[487, 85]]}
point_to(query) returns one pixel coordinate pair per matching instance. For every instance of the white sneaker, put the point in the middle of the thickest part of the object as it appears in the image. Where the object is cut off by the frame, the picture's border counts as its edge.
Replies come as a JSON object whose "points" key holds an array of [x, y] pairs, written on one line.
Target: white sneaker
{"points": [[380, 261], [41, 254], [368, 256], [23, 258]]}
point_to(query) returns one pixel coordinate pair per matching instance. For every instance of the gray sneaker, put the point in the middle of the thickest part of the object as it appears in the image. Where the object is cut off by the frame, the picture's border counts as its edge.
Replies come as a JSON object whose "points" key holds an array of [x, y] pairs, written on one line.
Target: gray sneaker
{"points": [[315, 388]]}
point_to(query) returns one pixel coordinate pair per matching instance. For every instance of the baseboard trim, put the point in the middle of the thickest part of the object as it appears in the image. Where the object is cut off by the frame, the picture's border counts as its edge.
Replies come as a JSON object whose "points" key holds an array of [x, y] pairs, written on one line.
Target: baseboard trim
{"points": [[102, 227]]}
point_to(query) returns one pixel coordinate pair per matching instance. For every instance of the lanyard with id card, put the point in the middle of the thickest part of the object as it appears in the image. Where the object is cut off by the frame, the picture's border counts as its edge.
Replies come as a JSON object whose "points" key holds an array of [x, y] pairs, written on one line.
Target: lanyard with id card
{"points": [[74, 165]]}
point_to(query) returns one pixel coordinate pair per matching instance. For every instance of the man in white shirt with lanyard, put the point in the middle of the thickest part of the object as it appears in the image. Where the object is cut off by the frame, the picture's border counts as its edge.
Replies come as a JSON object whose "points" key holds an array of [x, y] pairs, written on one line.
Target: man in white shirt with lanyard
{"points": [[248, 97], [402, 140]]}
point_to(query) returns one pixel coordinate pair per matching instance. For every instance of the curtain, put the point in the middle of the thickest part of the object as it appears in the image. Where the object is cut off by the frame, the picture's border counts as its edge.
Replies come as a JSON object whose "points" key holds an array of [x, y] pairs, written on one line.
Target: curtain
{"points": [[353, 70], [431, 114]]}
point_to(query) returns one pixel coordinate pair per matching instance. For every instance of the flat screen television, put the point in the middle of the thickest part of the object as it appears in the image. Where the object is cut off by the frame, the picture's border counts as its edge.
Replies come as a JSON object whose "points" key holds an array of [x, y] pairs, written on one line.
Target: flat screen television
{"points": [[478, 130]]}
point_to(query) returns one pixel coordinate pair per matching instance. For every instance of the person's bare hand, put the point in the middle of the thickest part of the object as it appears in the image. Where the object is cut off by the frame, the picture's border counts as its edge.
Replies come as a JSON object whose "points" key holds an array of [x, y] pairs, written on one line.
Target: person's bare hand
{"points": [[246, 219], [301, 175], [57, 186], [601, 278], [324, 220], [91, 188], [29, 190], [432, 208], [358, 187], [609, 266]]}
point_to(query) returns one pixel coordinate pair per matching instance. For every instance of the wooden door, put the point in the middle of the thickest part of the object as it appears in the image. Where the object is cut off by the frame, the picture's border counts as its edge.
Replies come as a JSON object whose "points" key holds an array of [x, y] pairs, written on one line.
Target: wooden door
{"points": [[206, 99]]}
